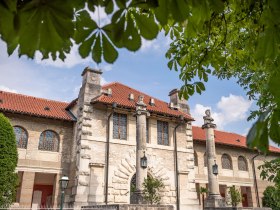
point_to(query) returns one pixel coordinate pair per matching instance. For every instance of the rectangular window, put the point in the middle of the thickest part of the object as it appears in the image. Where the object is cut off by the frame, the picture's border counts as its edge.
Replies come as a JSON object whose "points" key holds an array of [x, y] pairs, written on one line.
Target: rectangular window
{"points": [[162, 133], [119, 126]]}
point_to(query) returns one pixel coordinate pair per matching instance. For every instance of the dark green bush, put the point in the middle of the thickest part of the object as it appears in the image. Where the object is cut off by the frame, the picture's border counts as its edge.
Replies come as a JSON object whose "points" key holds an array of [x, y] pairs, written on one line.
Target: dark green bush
{"points": [[8, 163], [270, 198]]}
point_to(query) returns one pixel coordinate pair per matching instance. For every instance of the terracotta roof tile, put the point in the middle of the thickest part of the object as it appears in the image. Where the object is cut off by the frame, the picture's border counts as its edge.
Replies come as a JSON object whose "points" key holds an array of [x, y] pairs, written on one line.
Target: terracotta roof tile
{"points": [[18, 103], [222, 137], [120, 95]]}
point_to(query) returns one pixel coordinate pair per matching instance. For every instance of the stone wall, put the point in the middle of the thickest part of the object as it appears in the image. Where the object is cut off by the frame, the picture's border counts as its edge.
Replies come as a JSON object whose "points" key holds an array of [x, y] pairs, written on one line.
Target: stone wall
{"points": [[129, 207], [234, 176], [46, 163]]}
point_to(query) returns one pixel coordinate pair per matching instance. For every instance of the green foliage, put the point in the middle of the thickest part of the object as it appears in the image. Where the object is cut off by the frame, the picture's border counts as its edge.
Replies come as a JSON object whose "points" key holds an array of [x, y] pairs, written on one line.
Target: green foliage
{"points": [[269, 199], [203, 190], [152, 188], [8, 163], [235, 196], [270, 171], [226, 39]]}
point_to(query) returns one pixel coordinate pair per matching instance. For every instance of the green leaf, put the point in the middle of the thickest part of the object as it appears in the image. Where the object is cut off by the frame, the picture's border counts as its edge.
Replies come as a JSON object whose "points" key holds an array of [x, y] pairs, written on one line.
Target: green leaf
{"points": [[85, 47], [131, 39], [147, 26], [179, 9], [109, 52], [274, 130], [258, 134], [162, 12], [84, 26], [97, 50], [109, 7]]}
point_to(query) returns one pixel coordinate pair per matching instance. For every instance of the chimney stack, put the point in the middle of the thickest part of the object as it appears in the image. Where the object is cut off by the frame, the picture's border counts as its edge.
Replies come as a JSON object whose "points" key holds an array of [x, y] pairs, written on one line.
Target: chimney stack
{"points": [[180, 104]]}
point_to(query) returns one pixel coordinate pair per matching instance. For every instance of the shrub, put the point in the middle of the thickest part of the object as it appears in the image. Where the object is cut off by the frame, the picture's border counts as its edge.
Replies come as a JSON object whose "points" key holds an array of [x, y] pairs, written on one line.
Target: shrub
{"points": [[151, 191], [8, 163], [234, 196], [269, 198]]}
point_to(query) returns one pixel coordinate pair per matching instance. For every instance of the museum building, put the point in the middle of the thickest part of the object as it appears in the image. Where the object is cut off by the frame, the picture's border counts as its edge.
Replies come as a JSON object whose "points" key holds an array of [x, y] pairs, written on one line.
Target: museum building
{"points": [[92, 140]]}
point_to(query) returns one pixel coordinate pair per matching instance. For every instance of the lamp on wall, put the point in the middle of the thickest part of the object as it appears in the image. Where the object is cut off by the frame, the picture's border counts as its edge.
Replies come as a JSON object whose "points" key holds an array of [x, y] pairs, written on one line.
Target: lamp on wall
{"points": [[215, 168], [63, 185], [144, 161]]}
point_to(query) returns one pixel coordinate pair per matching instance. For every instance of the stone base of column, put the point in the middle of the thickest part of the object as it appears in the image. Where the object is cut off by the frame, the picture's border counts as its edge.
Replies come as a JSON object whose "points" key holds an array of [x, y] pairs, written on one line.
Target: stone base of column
{"points": [[214, 201], [137, 198]]}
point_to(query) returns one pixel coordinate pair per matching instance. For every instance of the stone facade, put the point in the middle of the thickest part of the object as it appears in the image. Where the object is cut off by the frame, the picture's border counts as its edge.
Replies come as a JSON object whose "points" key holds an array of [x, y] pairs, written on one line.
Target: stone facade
{"points": [[89, 186], [243, 180], [38, 168], [101, 167]]}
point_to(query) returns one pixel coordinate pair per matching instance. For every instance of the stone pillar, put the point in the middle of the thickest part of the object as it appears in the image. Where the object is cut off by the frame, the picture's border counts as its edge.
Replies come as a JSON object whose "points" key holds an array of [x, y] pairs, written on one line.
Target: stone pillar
{"points": [[90, 89], [27, 189], [214, 198], [141, 173]]}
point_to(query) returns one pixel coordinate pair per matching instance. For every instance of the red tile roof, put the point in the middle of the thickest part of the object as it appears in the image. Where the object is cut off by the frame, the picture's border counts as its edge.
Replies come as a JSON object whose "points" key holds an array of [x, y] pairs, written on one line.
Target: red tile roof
{"points": [[18, 103], [222, 137], [120, 95]]}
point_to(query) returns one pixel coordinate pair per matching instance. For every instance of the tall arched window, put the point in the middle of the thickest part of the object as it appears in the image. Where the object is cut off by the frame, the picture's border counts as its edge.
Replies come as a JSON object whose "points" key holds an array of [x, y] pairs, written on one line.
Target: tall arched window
{"points": [[242, 164], [21, 137], [205, 159], [195, 159], [226, 162], [49, 141]]}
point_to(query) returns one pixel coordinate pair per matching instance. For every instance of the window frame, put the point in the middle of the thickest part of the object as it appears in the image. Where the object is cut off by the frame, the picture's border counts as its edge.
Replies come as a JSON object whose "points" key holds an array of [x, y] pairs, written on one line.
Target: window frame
{"points": [[26, 133], [245, 162], [164, 125], [230, 161], [56, 146], [119, 126]]}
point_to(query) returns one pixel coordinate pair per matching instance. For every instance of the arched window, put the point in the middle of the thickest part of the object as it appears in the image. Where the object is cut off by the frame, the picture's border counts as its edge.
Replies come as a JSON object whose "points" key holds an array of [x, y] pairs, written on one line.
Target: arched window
{"points": [[195, 159], [21, 137], [49, 141], [242, 164], [226, 162], [205, 159]]}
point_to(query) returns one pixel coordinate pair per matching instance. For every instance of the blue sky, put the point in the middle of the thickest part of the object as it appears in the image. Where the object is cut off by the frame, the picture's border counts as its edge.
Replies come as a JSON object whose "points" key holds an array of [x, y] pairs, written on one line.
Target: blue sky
{"points": [[145, 70]]}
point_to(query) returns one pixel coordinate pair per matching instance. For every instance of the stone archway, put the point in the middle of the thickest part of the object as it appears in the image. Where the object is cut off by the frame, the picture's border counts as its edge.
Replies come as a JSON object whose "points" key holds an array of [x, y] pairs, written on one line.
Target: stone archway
{"points": [[124, 172]]}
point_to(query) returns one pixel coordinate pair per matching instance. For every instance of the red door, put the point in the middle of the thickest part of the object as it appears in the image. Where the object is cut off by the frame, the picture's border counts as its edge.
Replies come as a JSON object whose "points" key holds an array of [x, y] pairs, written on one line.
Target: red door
{"points": [[245, 200], [47, 191]]}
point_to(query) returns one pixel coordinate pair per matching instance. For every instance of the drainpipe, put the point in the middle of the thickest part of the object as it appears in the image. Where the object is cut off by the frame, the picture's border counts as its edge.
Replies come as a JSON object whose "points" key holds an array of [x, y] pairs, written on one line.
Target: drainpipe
{"points": [[114, 105], [255, 180], [176, 164]]}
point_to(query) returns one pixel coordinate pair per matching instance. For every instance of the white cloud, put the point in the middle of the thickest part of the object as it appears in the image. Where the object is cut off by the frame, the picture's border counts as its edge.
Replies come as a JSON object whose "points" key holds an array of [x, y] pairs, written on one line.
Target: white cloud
{"points": [[228, 110], [4, 88], [150, 45]]}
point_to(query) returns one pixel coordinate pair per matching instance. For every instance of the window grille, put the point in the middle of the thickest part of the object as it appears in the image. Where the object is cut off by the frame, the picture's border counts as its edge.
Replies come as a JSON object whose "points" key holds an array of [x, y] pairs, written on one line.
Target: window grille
{"points": [[205, 159], [162, 133], [226, 162], [119, 126], [21, 137], [242, 164], [195, 159], [49, 141]]}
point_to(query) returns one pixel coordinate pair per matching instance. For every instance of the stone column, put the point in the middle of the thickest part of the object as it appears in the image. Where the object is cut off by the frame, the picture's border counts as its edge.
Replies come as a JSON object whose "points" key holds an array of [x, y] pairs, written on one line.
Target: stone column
{"points": [[27, 189], [141, 173], [214, 198]]}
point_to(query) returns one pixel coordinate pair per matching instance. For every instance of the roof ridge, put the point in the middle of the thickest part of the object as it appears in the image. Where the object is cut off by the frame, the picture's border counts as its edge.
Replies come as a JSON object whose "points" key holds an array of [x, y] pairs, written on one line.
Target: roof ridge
{"points": [[111, 83], [33, 97], [221, 131]]}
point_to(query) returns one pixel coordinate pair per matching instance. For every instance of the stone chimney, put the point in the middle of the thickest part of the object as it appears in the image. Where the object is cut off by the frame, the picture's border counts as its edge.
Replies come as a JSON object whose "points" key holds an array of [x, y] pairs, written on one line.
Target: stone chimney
{"points": [[175, 100], [91, 86]]}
